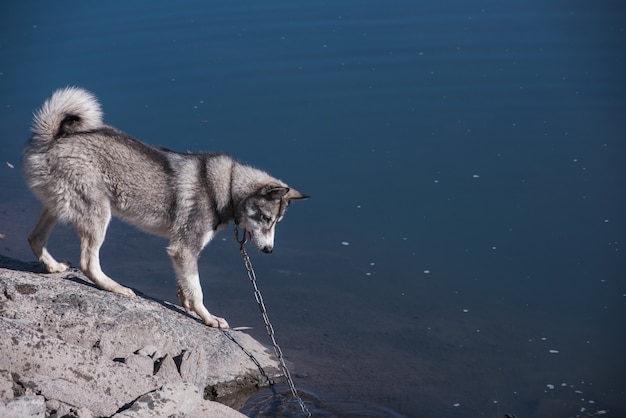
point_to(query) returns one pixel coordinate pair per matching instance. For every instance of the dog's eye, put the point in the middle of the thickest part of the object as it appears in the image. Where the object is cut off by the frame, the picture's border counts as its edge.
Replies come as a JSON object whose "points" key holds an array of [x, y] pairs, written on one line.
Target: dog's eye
{"points": [[266, 218]]}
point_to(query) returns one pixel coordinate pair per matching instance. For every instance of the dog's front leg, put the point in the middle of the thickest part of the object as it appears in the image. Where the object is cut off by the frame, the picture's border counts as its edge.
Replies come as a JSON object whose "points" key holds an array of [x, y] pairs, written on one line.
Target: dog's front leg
{"points": [[189, 289]]}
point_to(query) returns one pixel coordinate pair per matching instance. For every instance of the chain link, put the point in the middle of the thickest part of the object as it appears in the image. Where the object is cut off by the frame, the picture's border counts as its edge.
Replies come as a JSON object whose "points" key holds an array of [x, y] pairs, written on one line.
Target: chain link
{"points": [[268, 325]]}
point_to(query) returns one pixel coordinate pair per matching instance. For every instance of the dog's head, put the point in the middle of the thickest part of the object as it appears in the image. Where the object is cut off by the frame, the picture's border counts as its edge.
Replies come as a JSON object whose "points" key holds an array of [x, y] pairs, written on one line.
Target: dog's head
{"points": [[262, 210]]}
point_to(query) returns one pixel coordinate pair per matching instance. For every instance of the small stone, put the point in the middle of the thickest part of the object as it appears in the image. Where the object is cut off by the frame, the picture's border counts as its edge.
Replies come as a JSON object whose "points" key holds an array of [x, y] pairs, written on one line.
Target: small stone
{"points": [[148, 351], [140, 362], [84, 413], [166, 369], [53, 405]]}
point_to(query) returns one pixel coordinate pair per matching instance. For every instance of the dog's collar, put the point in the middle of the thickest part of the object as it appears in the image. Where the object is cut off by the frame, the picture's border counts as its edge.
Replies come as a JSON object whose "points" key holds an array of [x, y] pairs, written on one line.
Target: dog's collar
{"points": [[247, 236]]}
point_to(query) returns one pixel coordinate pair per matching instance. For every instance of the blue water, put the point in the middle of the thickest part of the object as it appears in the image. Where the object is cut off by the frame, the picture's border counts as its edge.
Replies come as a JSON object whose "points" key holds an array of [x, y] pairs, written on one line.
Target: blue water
{"points": [[470, 153]]}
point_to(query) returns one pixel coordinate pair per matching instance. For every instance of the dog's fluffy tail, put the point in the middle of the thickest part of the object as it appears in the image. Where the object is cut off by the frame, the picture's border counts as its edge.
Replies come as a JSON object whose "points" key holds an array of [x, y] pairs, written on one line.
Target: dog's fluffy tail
{"points": [[67, 111]]}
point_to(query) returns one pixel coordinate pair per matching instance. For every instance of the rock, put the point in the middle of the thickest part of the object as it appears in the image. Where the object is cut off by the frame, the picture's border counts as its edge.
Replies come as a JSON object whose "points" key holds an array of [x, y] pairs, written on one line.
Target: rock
{"points": [[6, 386], [55, 408], [141, 363], [88, 352], [24, 407], [66, 372], [176, 399], [167, 370]]}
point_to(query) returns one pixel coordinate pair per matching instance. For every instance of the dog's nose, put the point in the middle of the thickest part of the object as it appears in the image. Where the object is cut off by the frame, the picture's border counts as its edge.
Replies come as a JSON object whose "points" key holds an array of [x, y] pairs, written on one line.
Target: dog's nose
{"points": [[267, 249]]}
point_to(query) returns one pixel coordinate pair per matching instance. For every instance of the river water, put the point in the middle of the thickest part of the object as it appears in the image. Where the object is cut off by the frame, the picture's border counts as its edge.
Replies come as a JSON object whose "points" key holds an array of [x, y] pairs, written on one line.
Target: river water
{"points": [[462, 254]]}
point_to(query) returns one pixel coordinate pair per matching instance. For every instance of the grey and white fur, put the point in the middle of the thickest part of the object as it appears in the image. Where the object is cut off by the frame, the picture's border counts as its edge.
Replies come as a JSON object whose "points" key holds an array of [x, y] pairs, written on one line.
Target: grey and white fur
{"points": [[84, 171]]}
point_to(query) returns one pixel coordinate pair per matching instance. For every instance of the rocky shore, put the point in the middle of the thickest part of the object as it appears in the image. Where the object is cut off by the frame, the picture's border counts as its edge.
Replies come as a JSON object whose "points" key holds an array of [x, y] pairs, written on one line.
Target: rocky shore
{"points": [[69, 349]]}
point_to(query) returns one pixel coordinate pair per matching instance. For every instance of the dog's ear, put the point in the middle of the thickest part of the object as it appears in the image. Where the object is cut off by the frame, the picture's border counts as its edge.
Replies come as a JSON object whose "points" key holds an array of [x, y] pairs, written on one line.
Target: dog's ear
{"points": [[281, 192], [274, 192], [293, 194]]}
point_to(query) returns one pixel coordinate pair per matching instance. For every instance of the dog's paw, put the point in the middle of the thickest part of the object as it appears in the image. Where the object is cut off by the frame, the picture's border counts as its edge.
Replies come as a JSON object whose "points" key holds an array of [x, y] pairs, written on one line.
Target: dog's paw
{"points": [[121, 290], [217, 322], [57, 267]]}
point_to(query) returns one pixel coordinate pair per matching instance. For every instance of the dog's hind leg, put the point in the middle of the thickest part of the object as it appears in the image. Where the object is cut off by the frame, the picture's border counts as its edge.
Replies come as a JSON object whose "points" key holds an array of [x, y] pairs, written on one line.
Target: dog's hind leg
{"points": [[189, 289], [92, 232], [38, 239]]}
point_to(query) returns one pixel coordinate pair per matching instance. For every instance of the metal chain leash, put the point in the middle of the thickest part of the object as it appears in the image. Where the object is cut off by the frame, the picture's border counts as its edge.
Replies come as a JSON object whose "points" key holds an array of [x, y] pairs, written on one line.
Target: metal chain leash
{"points": [[268, 325]]}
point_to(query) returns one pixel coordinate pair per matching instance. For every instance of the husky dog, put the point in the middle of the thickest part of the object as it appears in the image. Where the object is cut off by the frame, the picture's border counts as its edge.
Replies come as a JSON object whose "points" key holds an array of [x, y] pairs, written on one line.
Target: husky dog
{"points": [[84, 171]]}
